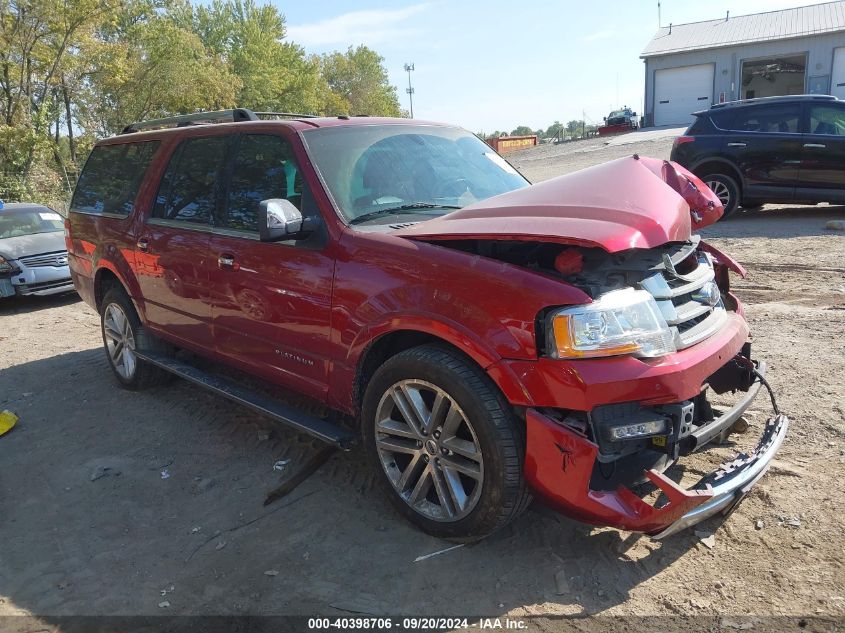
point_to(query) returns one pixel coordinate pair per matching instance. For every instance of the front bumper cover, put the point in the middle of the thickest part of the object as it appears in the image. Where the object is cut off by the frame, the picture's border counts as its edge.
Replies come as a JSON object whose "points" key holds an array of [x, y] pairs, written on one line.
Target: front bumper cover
{"points": [[559, 464]]}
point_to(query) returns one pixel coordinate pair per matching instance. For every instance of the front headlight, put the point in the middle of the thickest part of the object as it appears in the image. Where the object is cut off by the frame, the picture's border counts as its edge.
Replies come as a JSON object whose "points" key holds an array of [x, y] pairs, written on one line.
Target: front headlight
{"points": [[5, 267], [624, 321]]}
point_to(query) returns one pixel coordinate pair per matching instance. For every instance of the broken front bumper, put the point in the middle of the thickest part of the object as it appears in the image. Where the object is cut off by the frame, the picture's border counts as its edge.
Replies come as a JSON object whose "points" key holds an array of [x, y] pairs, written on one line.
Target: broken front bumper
{"points": [[559, 464]]}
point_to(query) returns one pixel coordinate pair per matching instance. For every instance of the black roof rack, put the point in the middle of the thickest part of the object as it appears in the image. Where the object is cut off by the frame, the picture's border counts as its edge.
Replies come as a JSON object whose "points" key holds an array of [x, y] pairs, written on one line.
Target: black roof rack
{"points": [[285, 115], [741, 102], [236, 115]]}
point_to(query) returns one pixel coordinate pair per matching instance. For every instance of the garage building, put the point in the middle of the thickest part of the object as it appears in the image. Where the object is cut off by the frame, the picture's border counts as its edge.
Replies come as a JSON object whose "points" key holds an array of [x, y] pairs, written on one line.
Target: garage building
{"points": [[794, 51]]}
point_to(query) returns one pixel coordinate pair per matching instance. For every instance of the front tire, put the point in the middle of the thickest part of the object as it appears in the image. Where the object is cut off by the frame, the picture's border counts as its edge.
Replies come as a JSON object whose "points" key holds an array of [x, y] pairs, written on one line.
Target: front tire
{"points": [[448, 449], [121, 329], [726, 189]]}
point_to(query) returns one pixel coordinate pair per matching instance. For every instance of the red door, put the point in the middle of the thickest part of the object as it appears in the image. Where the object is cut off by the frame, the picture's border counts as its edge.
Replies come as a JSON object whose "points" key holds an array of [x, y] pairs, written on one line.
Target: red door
{"points": [[270, 301], [172, 256]]}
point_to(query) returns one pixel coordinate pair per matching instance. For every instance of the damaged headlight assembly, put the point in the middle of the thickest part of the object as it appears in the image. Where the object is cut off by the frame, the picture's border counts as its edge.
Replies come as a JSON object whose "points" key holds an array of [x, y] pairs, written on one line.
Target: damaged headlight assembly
{"points": [[626, 321]]}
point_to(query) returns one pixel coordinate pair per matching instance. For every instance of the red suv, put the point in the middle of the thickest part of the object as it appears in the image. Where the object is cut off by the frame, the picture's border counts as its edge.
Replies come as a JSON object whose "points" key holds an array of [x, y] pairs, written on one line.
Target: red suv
{"points": [[492, 340]]}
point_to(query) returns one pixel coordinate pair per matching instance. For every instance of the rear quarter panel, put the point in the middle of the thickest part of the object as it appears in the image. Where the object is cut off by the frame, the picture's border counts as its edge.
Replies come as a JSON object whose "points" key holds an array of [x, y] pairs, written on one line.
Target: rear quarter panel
{"points": [[98, 242]]}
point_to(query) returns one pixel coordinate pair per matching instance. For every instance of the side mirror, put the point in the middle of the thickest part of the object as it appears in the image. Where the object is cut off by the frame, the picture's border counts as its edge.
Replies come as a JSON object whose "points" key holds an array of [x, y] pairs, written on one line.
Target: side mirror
{"points": [[605, 118], [279, 219], [633, 114]]}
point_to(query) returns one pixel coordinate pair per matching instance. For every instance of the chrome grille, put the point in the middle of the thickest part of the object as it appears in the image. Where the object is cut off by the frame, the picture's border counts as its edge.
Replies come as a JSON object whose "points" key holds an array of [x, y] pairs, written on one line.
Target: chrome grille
{"points": [[59, 258], [690, 302]]}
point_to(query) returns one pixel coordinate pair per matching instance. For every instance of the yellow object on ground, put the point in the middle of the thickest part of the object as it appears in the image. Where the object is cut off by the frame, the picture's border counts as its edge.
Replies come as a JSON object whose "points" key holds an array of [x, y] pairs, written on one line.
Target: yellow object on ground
{"points": [[7, 421]]}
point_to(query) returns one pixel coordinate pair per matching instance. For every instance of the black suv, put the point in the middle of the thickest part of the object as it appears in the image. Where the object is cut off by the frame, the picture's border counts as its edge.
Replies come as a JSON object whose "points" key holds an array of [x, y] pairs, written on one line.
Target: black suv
{"points": [[774, 149]]}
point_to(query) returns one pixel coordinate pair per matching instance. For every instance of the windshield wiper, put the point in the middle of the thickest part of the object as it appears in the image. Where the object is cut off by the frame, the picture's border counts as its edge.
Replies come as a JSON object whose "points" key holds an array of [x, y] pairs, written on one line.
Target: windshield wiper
{"points": [[405, 207]]}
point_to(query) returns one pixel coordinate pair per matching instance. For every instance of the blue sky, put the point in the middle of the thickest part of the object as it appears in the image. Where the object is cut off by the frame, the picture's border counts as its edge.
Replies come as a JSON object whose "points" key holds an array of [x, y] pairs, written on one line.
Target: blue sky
{"points": [[494, 64]]}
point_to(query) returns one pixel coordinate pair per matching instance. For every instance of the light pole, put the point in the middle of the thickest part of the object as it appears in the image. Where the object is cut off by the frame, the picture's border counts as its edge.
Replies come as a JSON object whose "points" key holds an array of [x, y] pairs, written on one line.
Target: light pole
{"points": [[410, 88]]}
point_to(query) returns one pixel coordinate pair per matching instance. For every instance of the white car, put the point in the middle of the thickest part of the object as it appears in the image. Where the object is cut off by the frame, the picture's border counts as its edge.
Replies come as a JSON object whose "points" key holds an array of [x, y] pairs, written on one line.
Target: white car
{"points": [[33, 256]]}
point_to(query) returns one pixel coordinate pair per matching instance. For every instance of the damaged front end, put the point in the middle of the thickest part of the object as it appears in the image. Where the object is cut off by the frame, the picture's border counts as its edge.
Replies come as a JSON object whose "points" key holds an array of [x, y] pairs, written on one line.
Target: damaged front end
{"points": [[569, 470], [603, 462], [622, 386]]}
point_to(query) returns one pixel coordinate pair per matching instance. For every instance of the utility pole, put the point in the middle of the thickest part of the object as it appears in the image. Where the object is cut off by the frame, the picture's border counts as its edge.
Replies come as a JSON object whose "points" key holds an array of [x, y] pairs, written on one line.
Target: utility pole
{"points": [[410, 88], [659, 21]]}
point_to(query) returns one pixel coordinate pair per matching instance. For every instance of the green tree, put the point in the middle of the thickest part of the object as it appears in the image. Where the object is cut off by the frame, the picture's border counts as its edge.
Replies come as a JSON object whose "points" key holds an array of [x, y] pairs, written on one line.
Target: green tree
{"points": [[522, 130], [358, 78], [574, 127], [75, 70], [554, 129]]}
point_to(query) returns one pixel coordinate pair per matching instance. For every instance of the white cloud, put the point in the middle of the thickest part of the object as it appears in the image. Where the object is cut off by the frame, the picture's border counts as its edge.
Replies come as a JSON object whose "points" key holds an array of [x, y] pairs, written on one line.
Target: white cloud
{"points": [[598, 35], [356, 27]]}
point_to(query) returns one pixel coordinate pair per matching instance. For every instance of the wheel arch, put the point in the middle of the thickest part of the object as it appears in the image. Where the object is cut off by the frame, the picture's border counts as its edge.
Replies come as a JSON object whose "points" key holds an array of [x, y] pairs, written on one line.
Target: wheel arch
{"points": [[719, 165], [388, 344], [106, 278]]}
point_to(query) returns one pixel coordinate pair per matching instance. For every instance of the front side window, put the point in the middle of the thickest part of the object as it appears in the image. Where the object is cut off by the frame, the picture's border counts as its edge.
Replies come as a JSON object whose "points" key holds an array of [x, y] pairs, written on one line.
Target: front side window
{"points": [[264, 168], [828, 120], [111, 178], [376, 170], [781, 118], [190, 188]]}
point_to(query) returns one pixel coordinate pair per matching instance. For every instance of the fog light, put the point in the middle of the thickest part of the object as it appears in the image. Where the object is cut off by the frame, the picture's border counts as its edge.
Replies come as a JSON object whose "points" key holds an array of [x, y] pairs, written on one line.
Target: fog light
{"points": [[642, 429]]}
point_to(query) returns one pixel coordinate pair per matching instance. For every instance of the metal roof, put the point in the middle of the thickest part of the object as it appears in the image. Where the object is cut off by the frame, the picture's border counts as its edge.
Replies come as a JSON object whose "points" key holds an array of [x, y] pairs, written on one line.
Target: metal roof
{"points": [[744, 29]]}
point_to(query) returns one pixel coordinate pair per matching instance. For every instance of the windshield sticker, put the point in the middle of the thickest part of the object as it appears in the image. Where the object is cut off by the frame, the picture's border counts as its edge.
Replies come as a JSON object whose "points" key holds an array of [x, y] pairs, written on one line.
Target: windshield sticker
{"points": [[50, 216], [501, 162]]}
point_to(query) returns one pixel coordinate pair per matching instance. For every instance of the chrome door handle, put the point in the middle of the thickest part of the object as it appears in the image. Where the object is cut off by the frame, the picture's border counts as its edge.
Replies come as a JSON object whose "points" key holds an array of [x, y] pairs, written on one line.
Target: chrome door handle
{"points": [[226, 261], [736, 144], [815, 145], [143, 245]]}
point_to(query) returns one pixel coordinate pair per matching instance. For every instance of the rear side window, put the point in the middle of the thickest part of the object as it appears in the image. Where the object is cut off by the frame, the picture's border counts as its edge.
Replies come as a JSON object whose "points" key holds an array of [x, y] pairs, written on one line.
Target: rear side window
{"points": [[701, 125], [722, 120], [190, 189], [264, 168], [111, 178], [780, 118]]}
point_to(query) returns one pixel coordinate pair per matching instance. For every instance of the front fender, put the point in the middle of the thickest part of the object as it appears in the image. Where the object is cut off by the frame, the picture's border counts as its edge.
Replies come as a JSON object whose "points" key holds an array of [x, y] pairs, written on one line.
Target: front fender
{"points": [[453, 333]]}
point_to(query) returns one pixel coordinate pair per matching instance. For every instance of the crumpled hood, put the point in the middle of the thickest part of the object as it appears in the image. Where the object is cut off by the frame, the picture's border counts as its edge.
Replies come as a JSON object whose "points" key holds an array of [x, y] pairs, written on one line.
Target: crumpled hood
{"points": [[632, 202], [23, 245]]}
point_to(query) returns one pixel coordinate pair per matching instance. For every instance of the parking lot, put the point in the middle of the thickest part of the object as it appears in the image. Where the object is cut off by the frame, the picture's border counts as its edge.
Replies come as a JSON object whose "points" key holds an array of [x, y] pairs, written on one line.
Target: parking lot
{"points": [[115, 502]]}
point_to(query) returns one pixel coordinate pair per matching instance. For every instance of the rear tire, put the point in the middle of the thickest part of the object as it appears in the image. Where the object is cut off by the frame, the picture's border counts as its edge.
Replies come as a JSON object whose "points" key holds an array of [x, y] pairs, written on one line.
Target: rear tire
{"points": [[448, 449], [726, 189], [121, 329]]}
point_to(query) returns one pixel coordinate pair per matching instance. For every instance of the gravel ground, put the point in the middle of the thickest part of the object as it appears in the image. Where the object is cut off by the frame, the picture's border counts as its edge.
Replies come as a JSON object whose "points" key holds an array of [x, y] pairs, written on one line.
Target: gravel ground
{"points": [[150, 503]]}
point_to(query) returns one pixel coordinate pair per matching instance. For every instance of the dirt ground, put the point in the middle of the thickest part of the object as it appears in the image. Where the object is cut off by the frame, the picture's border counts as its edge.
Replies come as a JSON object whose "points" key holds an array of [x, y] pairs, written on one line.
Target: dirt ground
{"points": [[121, 503]]}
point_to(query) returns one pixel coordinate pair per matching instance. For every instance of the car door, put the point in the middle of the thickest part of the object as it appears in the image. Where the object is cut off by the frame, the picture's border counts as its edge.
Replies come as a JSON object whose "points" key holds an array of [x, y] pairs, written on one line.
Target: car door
{"points": [[172, 256], [271, 301], [765, 145], [822, 177]]}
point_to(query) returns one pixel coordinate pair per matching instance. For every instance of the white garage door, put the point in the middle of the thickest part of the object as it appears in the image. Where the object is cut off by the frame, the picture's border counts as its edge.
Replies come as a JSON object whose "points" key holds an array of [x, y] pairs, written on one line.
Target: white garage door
{"points": [[678, 92], [837, 77]]}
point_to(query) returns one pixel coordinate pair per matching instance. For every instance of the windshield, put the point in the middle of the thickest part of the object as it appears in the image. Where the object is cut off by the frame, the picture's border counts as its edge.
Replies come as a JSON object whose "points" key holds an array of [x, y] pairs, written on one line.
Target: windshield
{"points": [[616, 113], [17, 223], [381, 170]]}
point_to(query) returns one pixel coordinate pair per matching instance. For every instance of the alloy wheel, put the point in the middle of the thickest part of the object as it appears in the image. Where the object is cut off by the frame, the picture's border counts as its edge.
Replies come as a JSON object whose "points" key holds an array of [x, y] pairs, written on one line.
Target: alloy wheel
{"points": [[429, 450], [721, 190], [120, 341]]}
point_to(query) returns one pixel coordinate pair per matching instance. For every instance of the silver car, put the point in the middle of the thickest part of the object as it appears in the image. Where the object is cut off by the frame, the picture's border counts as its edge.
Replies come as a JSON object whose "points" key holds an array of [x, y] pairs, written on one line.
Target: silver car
{"points": [[33, 256]]}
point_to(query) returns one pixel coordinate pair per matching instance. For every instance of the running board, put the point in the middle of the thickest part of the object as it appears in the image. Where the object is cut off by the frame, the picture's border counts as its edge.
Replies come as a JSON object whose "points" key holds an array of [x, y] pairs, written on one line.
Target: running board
{"points": [[314, 426]]}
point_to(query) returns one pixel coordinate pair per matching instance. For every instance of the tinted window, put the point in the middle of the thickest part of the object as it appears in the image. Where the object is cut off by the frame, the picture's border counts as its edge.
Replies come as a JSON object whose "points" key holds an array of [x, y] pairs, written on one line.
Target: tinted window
{"points": [[722, 120], [828, 120], [780, 118], [264, 168], [190, 188], [699, 126], [111, 178]]}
